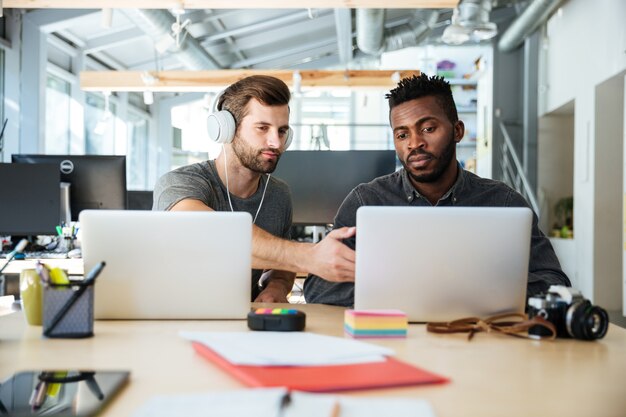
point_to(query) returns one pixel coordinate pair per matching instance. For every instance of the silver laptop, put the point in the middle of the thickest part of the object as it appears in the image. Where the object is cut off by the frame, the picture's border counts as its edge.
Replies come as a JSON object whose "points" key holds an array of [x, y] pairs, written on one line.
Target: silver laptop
{"points": [[169, 265], [442, 263]]}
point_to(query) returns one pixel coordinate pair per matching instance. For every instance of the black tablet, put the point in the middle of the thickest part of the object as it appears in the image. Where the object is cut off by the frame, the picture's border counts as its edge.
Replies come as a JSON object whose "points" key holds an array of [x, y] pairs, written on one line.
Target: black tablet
{"points": [[59, 392]]}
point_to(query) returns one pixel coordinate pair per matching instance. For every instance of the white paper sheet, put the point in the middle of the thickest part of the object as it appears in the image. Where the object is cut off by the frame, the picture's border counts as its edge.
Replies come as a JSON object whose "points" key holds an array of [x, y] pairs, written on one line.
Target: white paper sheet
{"points": [[288, 348], [304, 404], [268, 402], [265, 402]]}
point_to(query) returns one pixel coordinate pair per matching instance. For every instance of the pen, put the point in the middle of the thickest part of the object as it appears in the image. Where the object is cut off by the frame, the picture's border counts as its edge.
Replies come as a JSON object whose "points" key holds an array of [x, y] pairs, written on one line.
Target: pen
{"points": [[39, 394], [42, 271], [21, 245], [336, 410], [89, 280]]}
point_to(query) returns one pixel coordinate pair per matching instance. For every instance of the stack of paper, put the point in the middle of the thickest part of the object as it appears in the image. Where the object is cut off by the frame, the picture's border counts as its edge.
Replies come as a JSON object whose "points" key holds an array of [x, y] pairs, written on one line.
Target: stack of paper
{"points": [[375, 323]]}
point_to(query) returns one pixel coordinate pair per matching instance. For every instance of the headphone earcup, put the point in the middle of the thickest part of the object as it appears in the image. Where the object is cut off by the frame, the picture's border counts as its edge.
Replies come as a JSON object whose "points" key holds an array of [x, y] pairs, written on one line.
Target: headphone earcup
{"points": [[289, 138], [221, 126]]}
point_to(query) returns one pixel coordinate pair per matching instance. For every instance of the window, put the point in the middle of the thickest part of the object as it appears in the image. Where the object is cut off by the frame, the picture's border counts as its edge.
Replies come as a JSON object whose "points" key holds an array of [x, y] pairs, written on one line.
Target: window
{"points": [[190, 140], [340, 120], [137, 153], [100, 126], [57, 139], [2, 120]]}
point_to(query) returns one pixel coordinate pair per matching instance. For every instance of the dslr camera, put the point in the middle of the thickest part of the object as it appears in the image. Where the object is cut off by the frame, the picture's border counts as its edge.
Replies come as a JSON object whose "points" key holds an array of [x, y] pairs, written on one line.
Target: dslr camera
{"points": [[572, 315]]}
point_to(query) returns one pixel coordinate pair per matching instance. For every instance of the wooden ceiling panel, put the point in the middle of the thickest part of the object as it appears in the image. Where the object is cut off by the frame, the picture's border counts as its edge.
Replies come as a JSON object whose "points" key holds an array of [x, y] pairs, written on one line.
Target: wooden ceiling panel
{"points": [[228, 4], [184, 81]]}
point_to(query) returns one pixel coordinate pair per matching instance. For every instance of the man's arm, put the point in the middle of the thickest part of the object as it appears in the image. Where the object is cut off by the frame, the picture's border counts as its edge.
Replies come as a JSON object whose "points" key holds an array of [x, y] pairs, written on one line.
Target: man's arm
{"points": [[329, 259], [544, 268], [276, 286]]}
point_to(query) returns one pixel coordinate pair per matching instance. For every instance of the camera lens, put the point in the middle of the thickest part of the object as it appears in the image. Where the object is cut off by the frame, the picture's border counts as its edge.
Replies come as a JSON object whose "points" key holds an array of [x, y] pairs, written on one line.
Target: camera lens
{"points": [[587, 322]]}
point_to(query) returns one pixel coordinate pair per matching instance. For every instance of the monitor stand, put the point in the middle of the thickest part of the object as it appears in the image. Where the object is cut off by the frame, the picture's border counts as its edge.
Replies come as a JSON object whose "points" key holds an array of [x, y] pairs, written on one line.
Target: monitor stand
{"points": [[65, 209]]}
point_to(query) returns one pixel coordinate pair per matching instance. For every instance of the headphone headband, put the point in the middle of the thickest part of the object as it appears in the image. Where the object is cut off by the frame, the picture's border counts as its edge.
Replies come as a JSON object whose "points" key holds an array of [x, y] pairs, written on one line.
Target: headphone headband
{"points": [[221, 125]]}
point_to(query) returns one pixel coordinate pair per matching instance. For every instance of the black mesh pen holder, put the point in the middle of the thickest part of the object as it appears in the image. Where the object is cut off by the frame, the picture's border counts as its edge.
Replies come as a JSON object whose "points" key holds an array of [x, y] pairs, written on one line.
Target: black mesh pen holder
{"points": [[68, 311]]}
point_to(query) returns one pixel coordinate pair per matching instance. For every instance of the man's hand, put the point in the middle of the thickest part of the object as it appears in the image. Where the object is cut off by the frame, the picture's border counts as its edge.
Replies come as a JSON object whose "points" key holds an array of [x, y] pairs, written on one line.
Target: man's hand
{"points": [[331, 259], [272, 295], [278, 285]]}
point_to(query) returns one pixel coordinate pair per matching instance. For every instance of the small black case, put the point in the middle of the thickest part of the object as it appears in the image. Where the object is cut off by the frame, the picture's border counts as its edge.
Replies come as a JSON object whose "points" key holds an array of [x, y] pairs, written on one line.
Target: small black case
{"points": [[278, 319]]}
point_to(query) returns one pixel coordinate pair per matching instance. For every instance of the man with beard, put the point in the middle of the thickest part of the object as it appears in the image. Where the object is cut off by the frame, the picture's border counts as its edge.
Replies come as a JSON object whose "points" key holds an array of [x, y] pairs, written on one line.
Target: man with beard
{"points": [[239, 180], [426, 130]]}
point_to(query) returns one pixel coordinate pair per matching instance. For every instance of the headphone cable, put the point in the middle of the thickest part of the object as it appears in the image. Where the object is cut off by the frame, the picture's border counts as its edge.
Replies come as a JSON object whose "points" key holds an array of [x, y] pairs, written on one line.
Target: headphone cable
{"points": [[230, 203]]}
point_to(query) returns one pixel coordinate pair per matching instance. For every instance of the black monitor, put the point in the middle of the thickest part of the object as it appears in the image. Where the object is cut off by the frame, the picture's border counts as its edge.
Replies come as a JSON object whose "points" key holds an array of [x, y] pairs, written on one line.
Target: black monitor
{"points": [[97, 181], [140, 200], [321, 180], [30, 199]]}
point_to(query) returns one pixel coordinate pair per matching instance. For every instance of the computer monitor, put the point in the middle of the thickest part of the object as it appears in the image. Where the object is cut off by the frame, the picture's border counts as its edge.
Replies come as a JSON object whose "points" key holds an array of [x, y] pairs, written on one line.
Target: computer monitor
{"points": [[30, 199], [97, 181], [321, 180]]}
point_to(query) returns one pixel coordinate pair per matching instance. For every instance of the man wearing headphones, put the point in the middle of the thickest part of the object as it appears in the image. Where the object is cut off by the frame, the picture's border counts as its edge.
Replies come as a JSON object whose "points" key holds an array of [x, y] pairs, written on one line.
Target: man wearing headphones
{"points": [[251, 121]]}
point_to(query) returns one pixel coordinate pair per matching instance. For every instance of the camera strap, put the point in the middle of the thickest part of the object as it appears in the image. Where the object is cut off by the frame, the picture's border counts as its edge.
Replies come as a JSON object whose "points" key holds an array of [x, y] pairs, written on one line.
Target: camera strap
{"points": [[512, 324]]}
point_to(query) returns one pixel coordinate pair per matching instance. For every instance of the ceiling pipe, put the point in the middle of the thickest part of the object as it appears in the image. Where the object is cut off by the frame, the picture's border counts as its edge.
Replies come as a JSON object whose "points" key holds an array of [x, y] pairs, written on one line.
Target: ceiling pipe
{"points": [[531, 18], [370, 27], [371, 30], [158, 24], [413, 33]]}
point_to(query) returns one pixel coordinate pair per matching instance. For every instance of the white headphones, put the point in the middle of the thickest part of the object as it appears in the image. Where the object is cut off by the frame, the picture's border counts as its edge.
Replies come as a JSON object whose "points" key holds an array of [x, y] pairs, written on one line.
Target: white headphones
{"points": [[221, 124]]}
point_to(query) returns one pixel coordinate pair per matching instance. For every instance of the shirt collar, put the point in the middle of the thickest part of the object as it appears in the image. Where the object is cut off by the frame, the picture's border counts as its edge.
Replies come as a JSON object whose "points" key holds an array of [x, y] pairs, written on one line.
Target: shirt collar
{"points": [[411, 193]]}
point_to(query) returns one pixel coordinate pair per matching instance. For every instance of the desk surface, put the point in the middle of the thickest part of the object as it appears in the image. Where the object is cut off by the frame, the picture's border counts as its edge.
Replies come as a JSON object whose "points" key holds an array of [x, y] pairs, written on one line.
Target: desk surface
{"points": [[493, 375]]}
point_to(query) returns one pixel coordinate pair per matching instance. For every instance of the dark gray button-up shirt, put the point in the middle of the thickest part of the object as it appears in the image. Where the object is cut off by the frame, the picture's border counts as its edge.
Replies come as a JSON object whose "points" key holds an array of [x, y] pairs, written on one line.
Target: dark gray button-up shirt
{"points": [[469, 190]]}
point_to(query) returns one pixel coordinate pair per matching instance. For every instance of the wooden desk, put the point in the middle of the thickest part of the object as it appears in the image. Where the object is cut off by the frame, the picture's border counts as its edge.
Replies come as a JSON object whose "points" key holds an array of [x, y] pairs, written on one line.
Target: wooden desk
{"points": [[492, 375]]}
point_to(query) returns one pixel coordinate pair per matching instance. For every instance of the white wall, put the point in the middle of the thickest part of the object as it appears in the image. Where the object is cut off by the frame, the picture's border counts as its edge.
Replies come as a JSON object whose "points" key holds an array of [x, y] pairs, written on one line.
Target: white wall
{"points": [[608, 193], [555, 165], [585, 45]]}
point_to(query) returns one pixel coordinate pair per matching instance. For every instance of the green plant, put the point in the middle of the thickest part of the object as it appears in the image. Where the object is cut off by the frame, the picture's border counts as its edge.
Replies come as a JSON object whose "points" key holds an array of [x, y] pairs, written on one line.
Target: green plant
{"points": [[564, 213]]}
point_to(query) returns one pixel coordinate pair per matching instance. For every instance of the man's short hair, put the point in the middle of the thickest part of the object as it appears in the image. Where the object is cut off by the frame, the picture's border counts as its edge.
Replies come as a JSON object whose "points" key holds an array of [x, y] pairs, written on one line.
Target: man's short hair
{"points": [[424, 86], [268, 90]]}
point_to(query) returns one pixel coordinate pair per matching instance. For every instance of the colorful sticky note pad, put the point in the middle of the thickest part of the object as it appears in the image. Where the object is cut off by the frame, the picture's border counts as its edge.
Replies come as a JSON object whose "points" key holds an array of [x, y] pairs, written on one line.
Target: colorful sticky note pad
{"points": [[375, 323]]}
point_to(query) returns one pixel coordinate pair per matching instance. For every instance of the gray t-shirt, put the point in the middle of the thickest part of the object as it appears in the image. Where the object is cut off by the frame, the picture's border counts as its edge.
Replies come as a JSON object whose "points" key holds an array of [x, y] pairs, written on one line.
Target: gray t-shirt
{"points": [[201, 182]]}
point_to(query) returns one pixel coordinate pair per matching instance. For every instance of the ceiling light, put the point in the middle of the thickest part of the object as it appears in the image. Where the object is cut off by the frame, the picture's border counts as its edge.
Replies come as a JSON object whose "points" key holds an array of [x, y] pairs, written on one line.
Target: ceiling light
{"points": [[148, 97], [297, 83], [470, 22], [107, 18]]}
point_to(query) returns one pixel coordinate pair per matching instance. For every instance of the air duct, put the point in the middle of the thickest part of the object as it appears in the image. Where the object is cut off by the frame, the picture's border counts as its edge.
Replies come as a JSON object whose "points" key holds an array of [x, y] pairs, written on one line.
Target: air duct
{"points": [[158, 25], [412, 33], [371, 30], [531, 18]]}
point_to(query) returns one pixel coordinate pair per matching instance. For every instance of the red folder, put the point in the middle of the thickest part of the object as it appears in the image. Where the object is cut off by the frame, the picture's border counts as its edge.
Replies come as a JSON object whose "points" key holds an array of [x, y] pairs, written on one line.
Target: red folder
{"points": [[328, 378]]}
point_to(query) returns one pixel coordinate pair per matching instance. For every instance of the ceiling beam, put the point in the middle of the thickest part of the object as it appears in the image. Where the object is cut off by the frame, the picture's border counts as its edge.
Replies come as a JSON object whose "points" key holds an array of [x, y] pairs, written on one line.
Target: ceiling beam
{"points": [[184, 81], [280, 21], [111, 40], [50, 21], [228, 4]]}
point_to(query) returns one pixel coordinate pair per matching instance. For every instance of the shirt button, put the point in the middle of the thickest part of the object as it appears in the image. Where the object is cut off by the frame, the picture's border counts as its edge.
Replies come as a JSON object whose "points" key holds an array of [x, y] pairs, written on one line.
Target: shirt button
{"points": [[454, 199], [410, 198]]}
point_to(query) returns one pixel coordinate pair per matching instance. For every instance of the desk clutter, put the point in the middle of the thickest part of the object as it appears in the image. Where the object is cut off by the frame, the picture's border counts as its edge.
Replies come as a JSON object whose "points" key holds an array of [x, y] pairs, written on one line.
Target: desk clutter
{"points": [[272, 402], [375, 323]]}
